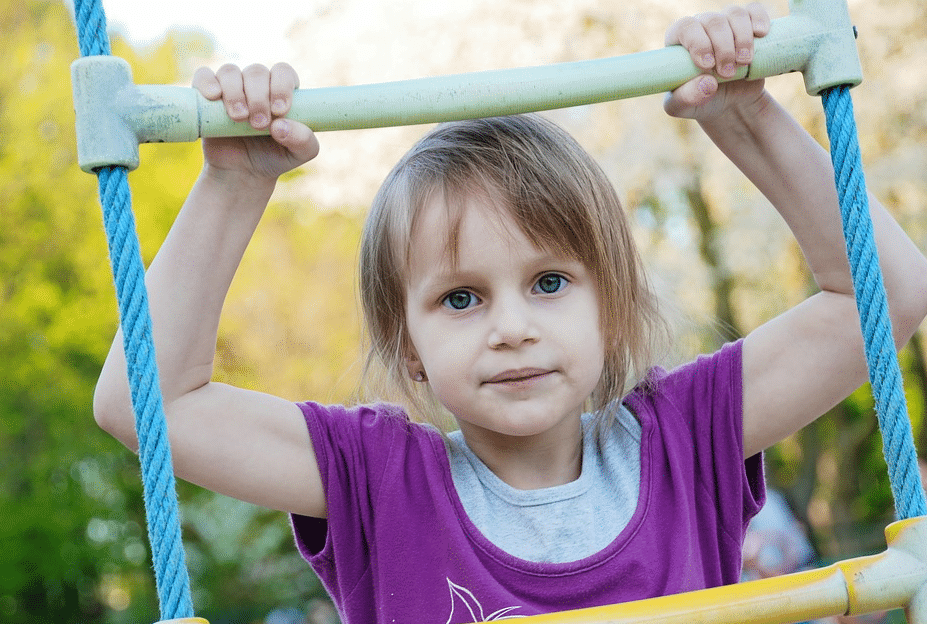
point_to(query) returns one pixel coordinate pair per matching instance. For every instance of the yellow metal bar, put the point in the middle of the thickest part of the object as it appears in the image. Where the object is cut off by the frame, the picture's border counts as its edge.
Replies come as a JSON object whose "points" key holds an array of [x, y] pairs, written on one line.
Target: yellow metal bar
{"points": [[888, 580], [816, 593], [892, 579], [911, 535]]}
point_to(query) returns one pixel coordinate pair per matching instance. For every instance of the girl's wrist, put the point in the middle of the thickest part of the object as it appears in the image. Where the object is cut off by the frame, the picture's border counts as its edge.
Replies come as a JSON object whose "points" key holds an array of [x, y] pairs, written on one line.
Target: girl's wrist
{"points": [[743, 119], [232, 196], [236, 183]]}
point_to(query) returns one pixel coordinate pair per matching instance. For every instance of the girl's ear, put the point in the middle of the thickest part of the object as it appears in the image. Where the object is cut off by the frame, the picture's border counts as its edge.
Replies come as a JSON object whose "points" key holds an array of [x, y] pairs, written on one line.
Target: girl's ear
{"points": [[415, 369]]}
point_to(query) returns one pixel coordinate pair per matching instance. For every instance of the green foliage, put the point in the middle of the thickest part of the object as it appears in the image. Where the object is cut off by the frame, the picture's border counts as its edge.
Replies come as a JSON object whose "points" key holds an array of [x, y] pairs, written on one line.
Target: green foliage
{"points": [[52, 335], [73, 539], [72, 542]]}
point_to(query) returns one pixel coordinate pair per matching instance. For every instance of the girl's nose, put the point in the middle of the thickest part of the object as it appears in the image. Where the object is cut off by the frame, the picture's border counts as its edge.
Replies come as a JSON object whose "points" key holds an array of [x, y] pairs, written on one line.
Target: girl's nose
{"points": [[512, 323]]}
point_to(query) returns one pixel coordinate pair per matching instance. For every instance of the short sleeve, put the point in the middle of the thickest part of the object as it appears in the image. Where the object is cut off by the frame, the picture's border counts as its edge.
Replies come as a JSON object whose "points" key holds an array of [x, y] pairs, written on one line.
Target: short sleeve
{"points": [[385, 480], [353, 447], [697, 409]]}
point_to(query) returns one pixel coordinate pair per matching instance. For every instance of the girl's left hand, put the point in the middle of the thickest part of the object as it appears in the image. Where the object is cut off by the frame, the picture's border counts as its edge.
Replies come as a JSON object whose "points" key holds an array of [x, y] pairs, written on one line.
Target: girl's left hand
{"points": [[720, 44], [262, 97]]}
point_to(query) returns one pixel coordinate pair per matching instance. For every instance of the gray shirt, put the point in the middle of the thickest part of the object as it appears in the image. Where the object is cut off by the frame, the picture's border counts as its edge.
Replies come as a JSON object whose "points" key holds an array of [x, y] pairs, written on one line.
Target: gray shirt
{"points": [[562, 523]]}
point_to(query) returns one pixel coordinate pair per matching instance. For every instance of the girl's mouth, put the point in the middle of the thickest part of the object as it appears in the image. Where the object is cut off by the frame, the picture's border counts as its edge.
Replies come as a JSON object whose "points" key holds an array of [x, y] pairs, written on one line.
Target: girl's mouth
{"points": [[517, 375]]}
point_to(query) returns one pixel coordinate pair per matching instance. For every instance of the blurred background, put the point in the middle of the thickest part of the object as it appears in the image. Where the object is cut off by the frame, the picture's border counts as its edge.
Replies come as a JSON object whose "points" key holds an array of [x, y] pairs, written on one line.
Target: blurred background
{"points": [[73, 546]]}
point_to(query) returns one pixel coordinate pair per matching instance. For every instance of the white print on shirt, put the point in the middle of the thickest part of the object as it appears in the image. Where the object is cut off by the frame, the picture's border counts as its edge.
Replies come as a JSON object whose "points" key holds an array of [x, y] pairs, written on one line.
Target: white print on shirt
{"points": [[471, 608]]}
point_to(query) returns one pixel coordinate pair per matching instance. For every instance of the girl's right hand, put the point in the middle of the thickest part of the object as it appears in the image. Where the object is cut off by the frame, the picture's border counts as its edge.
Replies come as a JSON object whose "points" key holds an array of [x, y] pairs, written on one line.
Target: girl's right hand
{"points": [[262, 97], [720, 43]]}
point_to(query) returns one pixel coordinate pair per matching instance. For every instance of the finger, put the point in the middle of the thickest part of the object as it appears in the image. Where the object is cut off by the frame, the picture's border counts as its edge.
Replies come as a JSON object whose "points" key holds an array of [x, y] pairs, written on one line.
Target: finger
{"points": [[205, 81], [296, 137], [742, 29], [759, 17], [672, 33], [690, 33], [283, 81], [233, 92], [256, 80], [690, 95], [719, 32]]}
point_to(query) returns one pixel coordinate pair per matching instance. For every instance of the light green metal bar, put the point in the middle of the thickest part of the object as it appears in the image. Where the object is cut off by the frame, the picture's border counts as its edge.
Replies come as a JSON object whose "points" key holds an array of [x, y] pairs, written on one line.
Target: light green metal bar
{"points": [[114, 115]]}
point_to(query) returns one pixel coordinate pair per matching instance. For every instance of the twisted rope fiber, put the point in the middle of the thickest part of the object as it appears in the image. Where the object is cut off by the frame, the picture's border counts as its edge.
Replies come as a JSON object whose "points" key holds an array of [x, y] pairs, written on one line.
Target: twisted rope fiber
{"points": [[159, 487], [881, 355]]}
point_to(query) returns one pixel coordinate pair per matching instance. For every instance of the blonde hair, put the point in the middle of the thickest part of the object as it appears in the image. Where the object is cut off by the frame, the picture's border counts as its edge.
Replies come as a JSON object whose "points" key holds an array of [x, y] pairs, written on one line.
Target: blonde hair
{"points": [[538, 176]]}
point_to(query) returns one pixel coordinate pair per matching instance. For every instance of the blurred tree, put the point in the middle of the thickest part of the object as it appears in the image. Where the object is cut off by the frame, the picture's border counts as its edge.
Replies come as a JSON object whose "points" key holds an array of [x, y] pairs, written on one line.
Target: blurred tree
{"points": [[73, 540], [73, 546], [688, 202], [64, 492]]}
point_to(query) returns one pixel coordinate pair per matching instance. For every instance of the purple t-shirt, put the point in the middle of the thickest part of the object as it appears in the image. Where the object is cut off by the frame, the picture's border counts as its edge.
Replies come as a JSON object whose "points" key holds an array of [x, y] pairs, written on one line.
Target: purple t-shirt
{"points": [[398, 547]]}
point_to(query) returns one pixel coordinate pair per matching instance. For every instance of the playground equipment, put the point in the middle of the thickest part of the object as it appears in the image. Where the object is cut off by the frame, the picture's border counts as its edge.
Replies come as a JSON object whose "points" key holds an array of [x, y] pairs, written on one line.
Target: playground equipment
{"points": [[114, 115], [817, 38]]}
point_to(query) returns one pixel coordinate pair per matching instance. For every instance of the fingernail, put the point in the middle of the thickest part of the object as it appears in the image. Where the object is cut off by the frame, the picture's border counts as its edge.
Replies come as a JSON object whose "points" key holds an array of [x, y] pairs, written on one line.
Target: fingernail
{"points": [[281, 128], [705, 85], [239, 109], [743, 55], [727, 70], [708, 60], [259, 120], [278, 107]]}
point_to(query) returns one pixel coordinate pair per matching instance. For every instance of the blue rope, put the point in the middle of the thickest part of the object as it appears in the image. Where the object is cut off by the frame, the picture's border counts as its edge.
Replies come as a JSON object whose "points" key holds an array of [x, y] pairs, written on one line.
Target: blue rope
{"points": [[881, 356], [159, 487]]}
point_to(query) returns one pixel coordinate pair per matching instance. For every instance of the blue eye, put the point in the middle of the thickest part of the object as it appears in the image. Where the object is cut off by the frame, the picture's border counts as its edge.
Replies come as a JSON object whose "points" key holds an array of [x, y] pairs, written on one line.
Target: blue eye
{"points": [[550, 283], [460, 300]]}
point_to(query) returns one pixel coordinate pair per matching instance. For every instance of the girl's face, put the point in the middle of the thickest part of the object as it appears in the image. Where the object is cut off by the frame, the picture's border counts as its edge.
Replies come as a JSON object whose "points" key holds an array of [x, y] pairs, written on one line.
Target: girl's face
{"points": [[508, 335]]}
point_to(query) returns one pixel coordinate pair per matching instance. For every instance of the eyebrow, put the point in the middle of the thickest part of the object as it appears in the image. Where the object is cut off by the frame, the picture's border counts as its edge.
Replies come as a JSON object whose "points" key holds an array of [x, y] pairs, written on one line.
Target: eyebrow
{"points": [[436, 284], [442, 282]]}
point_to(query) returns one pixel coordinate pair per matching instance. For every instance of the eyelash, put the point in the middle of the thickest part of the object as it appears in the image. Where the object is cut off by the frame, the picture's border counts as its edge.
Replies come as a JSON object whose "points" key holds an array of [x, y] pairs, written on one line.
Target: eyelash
{"points": [[446, 301], [561, 283], [536, 289]]}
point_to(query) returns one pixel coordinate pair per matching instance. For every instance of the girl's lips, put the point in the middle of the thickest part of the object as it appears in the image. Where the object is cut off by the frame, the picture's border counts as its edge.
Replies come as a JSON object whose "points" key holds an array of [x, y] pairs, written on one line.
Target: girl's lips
{"points": [[519, 374]]}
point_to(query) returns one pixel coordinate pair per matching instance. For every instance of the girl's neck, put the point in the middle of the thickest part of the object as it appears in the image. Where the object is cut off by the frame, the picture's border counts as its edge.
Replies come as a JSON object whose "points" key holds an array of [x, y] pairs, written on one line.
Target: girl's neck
{"points": [[552, 458]]}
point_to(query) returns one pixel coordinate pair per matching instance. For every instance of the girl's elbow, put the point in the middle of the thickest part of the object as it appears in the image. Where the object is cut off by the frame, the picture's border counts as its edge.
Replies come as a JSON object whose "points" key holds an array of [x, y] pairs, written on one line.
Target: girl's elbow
{"points": [[112, 411], [909, 322], [909, 309]]}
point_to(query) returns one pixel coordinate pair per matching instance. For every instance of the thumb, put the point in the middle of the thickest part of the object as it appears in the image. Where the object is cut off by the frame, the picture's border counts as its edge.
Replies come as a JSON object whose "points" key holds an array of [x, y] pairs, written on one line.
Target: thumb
{"points": [[296, 137], [698, 91]]}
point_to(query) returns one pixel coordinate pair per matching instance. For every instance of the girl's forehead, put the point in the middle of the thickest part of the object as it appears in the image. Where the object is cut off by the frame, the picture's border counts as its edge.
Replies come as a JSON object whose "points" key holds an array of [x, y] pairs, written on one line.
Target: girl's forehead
{"points": [[443, 224], [449, 212], [475, 234]]}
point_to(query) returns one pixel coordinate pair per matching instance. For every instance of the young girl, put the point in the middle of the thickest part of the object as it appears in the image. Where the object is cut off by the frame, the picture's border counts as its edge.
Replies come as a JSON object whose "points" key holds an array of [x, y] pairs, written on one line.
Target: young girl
{"points": [[500, 282]]}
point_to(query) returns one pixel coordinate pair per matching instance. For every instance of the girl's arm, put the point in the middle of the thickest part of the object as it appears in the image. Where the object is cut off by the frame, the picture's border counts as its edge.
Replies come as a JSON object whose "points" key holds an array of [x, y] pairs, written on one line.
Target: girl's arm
{"points": [[803, 362], [245, 444]]}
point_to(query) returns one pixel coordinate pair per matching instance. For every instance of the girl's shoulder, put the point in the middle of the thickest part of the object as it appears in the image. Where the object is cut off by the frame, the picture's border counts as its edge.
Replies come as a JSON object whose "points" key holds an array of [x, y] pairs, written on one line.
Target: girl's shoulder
{"points": [[388, 415], [724, 367], [371, 427], [708, 389]]}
